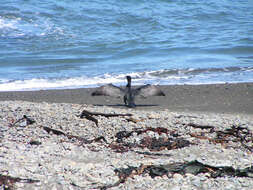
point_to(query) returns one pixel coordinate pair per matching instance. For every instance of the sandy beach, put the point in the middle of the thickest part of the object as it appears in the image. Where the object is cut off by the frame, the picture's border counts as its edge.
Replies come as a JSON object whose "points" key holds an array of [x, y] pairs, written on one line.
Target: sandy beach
{"points": [[196, 137], [218, 98]]}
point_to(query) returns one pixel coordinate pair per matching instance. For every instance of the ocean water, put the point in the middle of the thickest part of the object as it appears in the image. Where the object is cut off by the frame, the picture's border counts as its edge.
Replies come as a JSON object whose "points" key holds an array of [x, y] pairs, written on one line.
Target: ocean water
{"points": [[54, 44]]}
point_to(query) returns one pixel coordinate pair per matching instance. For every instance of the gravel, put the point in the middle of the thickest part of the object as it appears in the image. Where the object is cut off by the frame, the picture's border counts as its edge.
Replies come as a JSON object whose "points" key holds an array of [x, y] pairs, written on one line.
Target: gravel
{"points": [[59, 162]]}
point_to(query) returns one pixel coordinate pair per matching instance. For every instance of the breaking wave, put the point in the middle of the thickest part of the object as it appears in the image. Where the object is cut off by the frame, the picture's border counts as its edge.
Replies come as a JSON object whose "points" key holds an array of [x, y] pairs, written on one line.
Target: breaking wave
{"points": [[161, 77]]}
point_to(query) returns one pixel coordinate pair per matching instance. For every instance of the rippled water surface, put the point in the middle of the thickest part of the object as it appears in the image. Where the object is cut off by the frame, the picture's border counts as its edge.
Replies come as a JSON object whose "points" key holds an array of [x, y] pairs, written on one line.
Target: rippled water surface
{"points": [[71, 44]]}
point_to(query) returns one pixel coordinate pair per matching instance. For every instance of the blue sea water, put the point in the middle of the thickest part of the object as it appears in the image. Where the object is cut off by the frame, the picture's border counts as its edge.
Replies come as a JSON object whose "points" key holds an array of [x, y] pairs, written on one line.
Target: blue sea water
{"points": [[53, 44]]}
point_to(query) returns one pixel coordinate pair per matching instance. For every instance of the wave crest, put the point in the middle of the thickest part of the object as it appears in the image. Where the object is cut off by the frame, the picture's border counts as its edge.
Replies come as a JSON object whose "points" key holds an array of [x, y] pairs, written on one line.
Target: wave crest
{"points": [[161, 77]]}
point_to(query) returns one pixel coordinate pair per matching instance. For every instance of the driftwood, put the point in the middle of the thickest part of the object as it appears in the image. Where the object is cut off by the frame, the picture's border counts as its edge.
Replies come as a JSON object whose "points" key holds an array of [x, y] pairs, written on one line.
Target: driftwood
{"points": [[130, 119], [8, 182], [105, 114], [54, 131], [83, 140], [194, 125], [189, 116], [89, 115], [152, 154]]}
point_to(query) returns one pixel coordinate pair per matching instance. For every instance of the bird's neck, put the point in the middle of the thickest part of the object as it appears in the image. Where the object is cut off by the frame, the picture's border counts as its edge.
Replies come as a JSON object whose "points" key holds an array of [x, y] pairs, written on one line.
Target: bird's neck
{"points": [[128, 84]]}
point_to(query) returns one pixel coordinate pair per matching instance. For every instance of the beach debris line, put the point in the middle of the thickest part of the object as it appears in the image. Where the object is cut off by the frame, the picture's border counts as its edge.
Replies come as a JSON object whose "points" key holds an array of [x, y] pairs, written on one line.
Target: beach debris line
{"points": [[233, 134], [128, 93], [152, 143], [89, 115], [7, 182], [193, 167]]}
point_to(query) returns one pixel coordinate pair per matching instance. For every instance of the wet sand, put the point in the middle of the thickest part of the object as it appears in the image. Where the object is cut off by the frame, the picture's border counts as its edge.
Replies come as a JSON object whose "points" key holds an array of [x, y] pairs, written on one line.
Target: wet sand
{"points": [[220, 98]]}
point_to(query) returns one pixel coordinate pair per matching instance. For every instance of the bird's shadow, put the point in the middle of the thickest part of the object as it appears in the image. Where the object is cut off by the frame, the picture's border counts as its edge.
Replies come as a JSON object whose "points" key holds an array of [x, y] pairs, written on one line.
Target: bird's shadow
{"points": [[123, 105]]}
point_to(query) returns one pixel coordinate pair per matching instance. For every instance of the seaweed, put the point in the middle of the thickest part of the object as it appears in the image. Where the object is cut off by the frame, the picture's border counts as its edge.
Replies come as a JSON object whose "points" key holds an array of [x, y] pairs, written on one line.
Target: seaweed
{"points": [[8, 181], [152, 143], [235, 134], [193, 167], [159, 144]]}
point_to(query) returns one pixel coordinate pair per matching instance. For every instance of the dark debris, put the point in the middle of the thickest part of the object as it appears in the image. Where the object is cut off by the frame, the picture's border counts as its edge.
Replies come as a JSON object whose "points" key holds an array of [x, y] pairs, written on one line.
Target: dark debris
{"points": [[194, 167], [8, 182], [236, 134], [29, 121], [152, 143]]}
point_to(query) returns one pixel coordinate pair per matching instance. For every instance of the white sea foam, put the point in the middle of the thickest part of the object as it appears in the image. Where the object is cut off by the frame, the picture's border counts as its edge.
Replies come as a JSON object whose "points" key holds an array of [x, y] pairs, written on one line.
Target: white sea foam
{"points": [[18, 27], [162, 77], [78, 82], [7, 23]]}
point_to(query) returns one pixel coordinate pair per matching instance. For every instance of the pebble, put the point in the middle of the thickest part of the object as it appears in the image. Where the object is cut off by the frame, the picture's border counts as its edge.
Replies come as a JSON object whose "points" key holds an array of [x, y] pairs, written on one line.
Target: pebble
{"points": [[196, 182], [59, 162], [177, 176], [175, 188]]}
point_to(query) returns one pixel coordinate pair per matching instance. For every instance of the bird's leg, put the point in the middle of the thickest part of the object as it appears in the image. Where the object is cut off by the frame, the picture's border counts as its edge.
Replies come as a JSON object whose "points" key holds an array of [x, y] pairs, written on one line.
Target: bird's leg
{"points": [[125, 100]]}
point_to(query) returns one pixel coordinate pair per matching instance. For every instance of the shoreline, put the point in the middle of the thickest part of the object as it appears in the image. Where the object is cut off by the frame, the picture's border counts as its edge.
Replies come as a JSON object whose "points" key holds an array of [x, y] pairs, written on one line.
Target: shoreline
{"points": [[216, 98]]}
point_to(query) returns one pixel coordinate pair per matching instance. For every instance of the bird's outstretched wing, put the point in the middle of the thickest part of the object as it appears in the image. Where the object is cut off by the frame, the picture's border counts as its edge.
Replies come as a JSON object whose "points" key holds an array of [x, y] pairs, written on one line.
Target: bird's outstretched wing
{"points": [[109, 90], [148, 90]]}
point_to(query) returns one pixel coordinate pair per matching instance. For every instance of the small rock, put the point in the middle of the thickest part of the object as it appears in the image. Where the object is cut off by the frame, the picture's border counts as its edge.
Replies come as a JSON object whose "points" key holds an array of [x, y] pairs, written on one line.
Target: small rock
{"points": [[34, 142], [175, 188], [196, 182], [177, 176]]}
